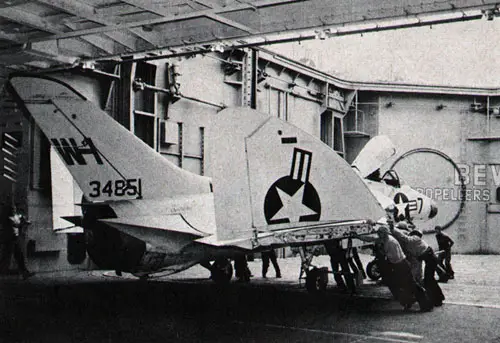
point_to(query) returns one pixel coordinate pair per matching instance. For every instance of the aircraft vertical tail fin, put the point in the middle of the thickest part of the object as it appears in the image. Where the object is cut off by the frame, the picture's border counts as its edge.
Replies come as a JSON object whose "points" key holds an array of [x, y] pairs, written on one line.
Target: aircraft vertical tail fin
{"points": [[106, 160]]}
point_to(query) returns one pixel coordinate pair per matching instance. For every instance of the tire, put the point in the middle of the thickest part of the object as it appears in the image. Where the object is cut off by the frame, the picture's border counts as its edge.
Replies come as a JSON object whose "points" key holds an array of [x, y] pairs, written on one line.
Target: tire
{"points": [[373, 270], [222, 271], [77, 249], [316, 280]]}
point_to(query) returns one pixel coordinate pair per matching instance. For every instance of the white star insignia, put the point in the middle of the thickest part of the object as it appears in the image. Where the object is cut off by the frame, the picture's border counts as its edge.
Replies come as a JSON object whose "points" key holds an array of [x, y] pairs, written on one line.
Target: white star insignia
{"points": [[292, 208], [401, 208]]}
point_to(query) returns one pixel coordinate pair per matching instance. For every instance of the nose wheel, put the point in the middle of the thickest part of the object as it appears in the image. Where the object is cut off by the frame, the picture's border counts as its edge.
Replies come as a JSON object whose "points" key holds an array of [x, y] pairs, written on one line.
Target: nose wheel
{"points": [[373, 270]]}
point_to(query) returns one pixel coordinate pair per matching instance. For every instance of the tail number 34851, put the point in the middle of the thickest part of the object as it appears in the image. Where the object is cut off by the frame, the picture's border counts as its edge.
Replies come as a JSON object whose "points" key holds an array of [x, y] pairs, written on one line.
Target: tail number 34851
{"points": [[119, 188]]}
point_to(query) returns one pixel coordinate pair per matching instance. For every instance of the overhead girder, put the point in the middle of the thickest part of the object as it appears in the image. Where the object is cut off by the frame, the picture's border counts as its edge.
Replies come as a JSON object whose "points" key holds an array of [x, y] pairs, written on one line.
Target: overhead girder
{"points": [[114, 28]]}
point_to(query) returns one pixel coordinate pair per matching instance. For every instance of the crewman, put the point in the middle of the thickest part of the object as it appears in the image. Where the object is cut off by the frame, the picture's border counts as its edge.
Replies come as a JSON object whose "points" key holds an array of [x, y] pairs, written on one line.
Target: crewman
{"points": [[267, 256], [12, 224], [421, 251], [355, 262], [338, 258], [415, 263], [241, 270], [400, 279], [444, 244]]}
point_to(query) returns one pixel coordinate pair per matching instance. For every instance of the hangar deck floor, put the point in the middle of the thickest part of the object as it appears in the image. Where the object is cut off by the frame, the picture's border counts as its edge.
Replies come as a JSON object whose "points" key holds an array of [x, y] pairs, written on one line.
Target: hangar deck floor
{"points": [[477, 280], [96, 306]]}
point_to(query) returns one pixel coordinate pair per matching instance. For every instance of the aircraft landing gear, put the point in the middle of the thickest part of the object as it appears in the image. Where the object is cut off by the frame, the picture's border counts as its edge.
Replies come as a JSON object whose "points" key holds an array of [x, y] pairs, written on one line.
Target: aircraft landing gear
{"points": [[221, 271], [373, 270], [316, 278]]}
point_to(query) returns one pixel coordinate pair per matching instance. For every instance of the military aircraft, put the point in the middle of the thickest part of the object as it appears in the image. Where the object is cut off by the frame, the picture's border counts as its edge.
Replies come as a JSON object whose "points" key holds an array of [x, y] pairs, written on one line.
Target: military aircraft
{"points": [[399, 199], [271, 185]]}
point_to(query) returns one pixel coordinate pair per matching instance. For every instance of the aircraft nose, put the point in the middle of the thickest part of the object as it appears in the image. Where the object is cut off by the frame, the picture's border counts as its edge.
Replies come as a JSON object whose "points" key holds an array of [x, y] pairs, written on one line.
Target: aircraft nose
{"points": [[434, 211]]}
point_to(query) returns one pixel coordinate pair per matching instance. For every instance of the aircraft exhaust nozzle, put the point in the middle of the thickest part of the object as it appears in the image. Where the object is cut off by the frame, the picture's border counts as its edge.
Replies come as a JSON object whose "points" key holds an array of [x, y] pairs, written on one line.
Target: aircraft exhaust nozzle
{"points": [[433, 212]]}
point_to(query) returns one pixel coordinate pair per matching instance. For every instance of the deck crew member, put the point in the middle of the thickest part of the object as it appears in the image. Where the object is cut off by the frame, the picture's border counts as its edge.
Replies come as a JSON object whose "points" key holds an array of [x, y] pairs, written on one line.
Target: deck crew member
{"points": [[400, 279], [420, 250]]}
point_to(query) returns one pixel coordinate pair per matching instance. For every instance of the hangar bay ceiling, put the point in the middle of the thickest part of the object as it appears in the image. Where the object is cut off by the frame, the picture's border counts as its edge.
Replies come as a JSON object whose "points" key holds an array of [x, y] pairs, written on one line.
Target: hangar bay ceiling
{"points": [[48, 33]]}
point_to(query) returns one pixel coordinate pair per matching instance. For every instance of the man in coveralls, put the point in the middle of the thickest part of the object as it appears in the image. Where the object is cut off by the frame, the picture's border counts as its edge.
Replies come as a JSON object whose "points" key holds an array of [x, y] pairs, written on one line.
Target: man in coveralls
{"points": [[267, 256], [338, 258], [400, 279], [421, 251], [13, 221], [444, 244]]}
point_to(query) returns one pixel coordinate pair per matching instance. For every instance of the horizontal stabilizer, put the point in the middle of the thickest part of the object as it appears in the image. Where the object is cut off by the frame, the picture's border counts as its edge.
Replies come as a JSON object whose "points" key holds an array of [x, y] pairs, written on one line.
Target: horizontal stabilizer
{"points": [[77, 220], [174, 222], [163, 232], [73, 229]]}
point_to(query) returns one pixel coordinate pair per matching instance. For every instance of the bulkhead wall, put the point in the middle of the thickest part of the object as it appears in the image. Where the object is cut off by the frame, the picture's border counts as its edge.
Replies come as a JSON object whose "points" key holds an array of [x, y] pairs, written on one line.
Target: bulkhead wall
{"points": [[448, 124]]}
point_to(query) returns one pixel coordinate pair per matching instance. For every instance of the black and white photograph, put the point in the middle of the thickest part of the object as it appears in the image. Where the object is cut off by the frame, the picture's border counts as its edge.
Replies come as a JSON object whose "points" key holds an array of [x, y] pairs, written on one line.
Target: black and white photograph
{"points": [[249, 171]]}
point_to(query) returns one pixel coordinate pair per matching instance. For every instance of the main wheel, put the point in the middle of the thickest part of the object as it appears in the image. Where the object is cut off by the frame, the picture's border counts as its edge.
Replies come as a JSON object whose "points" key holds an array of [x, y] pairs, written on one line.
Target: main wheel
{"points": [[222, 271], [317, 279], [373, 270]]}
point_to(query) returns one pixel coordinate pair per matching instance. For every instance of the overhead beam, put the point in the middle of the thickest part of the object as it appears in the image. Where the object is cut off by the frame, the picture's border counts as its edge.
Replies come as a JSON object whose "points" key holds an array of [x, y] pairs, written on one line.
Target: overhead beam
{"points": [[88, 12], [123, 38], [222, 19], [13, 3], [294, 16], [97, 40], [173, 18], [38, 23], [154, 38], [15, 38], [76, 8], [73, 47], [148, 5], [101, 43], [28, 19], [232, 23], [249, 42]]}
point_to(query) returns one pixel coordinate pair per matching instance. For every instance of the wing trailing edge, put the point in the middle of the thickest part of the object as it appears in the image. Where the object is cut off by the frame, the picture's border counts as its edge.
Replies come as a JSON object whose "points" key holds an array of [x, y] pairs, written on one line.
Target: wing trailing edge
{"points": [[303, 234]]}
